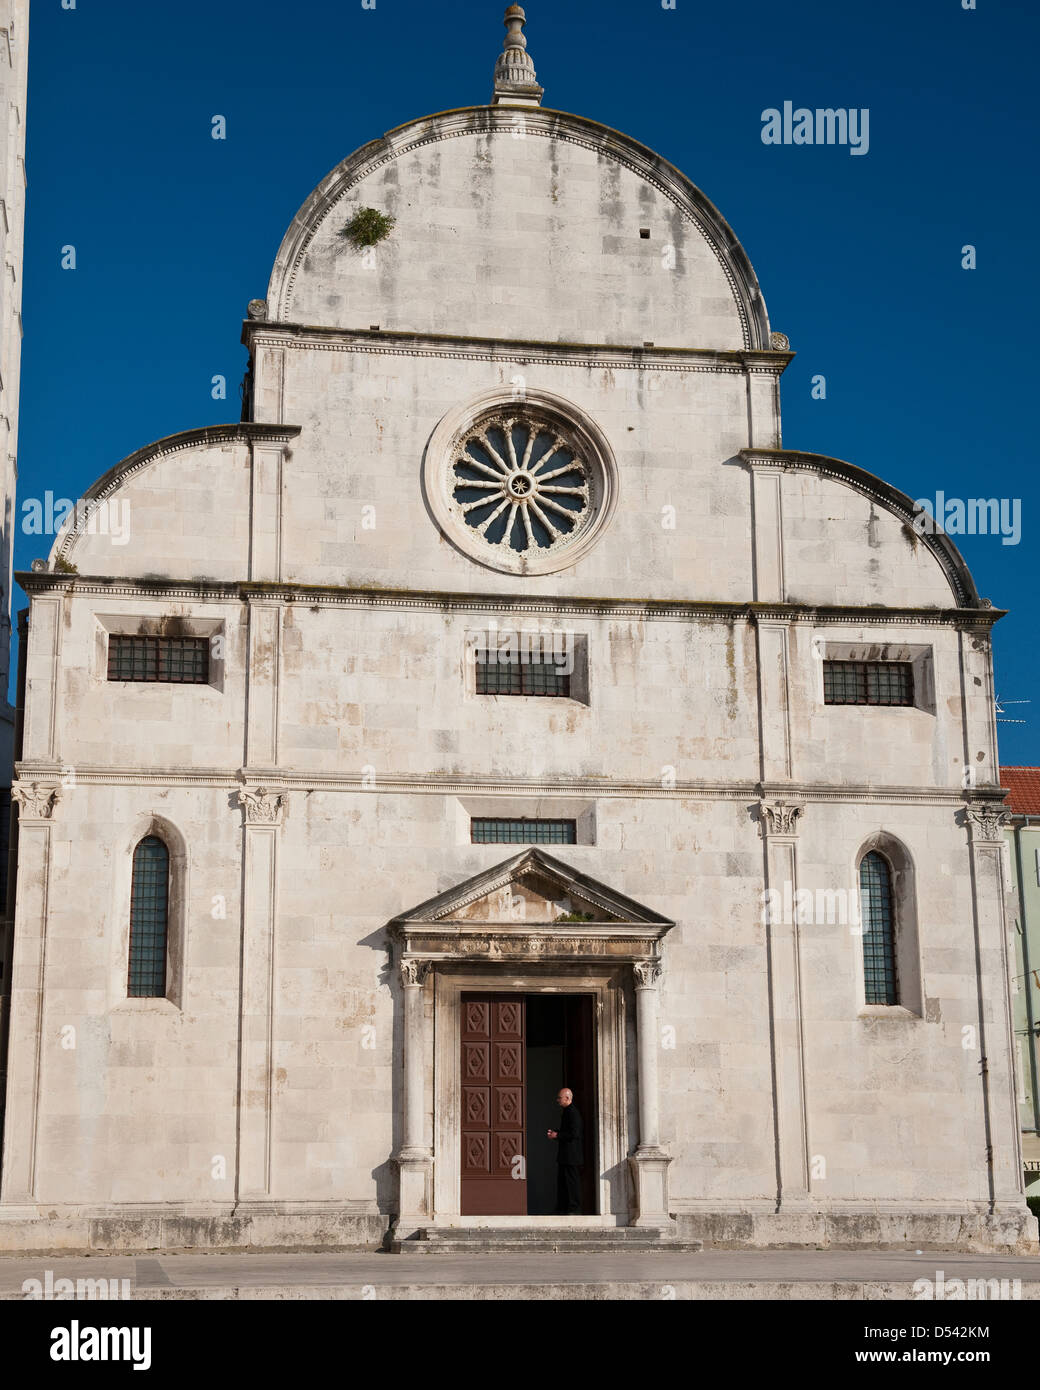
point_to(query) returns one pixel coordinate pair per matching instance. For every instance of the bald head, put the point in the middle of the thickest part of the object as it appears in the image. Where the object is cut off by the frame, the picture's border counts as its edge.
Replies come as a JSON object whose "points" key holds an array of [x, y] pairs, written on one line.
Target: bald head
{"points": [[565, 1097]]}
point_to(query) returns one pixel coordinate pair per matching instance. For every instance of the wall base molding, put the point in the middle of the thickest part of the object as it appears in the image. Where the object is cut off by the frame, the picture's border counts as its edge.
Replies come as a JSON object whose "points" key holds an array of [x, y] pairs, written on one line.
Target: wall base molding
{"points": [[1010, 1230], [303, 1226], [273, 1226]]}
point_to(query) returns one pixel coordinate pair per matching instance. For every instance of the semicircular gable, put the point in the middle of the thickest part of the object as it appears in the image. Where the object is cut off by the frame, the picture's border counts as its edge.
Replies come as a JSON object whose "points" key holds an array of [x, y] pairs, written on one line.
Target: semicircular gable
{"points": [[898, 504], [725, 264], [166, 491]]}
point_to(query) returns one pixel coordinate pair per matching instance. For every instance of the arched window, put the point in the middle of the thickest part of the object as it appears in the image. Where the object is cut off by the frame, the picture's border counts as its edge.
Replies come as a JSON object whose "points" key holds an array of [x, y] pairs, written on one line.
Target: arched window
{"points": [[149, 919], [879, 930]]}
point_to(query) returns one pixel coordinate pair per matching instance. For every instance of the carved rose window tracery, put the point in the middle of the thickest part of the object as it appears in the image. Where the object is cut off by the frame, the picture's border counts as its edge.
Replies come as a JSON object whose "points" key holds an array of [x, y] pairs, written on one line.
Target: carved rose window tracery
{"points": [[525, 485], [521, 484]]}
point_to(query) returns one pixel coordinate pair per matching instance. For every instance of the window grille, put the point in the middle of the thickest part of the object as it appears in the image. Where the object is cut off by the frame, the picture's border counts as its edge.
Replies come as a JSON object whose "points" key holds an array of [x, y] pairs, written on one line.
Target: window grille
{"points": [[149, 916], [868, 683], [179, 660], [524, 832], [879, 944], [522, 678]]}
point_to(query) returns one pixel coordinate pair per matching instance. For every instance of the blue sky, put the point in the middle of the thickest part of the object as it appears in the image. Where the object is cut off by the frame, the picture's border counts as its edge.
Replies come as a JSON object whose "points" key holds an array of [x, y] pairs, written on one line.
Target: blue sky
{"points": [[930, 368]]}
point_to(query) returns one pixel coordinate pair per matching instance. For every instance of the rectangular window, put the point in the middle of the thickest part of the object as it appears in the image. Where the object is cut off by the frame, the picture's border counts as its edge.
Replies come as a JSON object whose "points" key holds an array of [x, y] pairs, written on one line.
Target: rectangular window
{"points": [[524, 832], [868, 683], [522, 678], [179, 660]]}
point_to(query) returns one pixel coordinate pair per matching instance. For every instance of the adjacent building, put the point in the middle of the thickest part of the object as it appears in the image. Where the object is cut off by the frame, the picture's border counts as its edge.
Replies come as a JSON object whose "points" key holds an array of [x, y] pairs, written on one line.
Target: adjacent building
{"points": [[14, 52], [502, 705], [14, 40], [1023, 836]]}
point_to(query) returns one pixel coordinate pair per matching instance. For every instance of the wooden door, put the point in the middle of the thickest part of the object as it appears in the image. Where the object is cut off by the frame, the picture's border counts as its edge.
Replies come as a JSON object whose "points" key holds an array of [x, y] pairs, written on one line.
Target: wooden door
{"points": [[494, 1075]]}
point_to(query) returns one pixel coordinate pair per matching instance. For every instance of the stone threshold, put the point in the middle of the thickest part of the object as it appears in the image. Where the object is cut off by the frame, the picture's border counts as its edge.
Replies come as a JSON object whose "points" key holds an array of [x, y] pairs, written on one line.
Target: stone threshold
{"points": [[542, 1239]]}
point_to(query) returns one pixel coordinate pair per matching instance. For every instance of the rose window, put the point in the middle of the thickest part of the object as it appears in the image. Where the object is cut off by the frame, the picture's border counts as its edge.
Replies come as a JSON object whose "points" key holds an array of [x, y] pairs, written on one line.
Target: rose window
{"points": [[521, 485]]}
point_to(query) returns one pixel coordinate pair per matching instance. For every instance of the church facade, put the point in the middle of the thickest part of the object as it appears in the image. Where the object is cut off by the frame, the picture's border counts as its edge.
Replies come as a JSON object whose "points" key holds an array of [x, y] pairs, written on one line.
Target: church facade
{"points": [[500, 705]]}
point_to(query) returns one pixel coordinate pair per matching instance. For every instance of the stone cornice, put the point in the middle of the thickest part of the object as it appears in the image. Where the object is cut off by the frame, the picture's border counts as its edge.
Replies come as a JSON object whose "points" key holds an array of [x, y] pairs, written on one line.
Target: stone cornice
{"points": [[346, 596], [748, 793], [37, 582], [401, 343], [885, 495]]}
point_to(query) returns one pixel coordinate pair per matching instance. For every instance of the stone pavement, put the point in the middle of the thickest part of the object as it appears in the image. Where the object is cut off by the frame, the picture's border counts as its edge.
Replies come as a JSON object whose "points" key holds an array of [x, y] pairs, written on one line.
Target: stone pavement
{"points": [[741, 1274]]}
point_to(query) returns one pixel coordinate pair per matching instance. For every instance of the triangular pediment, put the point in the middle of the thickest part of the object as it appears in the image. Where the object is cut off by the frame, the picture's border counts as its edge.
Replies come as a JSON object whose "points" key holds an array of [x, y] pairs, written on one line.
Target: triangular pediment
{"points": [[534, 889]]}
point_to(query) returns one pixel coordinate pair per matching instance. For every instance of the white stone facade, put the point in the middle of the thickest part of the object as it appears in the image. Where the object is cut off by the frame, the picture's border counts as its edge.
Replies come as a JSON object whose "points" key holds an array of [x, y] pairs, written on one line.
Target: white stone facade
{"points": [[295, 1085], [14, 52]]}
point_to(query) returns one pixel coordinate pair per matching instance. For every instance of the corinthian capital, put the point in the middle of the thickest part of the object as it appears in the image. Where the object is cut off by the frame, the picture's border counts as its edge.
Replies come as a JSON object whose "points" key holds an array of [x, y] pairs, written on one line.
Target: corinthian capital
{"points": [[35, 802], [414, 972], [778, 818], [262, 806], [647, 973], [986, 821]]}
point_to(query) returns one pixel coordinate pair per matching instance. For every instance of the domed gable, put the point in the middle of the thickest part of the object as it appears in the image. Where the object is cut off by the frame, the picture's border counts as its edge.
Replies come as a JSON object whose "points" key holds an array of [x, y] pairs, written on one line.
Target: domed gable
{"points": [[178, 508], [519, 223]]}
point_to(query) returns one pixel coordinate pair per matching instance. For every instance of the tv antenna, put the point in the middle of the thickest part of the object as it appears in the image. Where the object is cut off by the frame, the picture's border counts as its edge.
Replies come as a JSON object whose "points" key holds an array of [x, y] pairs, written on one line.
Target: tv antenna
{"points": [[1001, 718]]}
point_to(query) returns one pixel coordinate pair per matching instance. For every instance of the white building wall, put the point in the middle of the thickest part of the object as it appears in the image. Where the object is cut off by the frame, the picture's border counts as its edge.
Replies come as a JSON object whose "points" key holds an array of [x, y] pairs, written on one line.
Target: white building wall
{"points": [[14, 49], [342, 684]]}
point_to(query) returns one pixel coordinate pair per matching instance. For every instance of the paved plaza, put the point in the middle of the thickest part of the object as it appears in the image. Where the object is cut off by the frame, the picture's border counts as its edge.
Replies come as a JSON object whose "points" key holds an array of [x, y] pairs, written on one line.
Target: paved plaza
{"points": [[742, 1274]]}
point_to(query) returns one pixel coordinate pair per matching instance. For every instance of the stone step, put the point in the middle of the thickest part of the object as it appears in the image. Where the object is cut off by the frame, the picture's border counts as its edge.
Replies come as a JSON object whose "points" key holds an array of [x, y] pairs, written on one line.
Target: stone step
{"points": [[542, 1240]]}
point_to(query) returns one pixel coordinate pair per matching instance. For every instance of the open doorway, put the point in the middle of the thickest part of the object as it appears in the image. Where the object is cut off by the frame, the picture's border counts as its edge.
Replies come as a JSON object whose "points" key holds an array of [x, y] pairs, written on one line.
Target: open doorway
{"points": [[518, 1051], [559, 1053]]}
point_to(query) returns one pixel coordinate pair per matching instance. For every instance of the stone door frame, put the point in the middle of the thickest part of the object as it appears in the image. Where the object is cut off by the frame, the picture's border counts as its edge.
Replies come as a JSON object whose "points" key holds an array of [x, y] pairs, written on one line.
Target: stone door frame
{"points": [[606, 985], [580, 937]]}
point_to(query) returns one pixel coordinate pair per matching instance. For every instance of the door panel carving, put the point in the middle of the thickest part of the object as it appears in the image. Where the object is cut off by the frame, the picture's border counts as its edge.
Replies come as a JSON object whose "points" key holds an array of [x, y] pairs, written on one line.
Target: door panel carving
{"points": [[493, 1113]]}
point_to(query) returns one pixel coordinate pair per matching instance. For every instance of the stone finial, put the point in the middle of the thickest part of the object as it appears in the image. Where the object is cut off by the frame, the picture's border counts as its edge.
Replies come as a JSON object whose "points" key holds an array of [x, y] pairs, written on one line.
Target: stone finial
{"points": [[515, 82]]}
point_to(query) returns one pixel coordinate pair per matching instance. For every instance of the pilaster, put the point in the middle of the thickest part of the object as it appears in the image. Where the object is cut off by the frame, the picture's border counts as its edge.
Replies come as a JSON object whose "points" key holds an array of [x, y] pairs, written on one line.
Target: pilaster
{"points": [[776, 757], [39, 737], [263, 675], [767, 515], [778, 824], [265, 534], [36, 807], [985, 822], [263, 810]]}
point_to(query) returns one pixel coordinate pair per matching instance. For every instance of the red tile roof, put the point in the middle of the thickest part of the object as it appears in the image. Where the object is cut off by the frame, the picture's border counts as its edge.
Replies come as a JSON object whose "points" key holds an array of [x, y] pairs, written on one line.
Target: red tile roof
{"points": [[1023, 785]]}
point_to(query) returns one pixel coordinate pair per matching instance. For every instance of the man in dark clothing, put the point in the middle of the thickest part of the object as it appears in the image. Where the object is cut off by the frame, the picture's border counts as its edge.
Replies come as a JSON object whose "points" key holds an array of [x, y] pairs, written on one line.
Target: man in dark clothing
{"points": [[569, 1157]]}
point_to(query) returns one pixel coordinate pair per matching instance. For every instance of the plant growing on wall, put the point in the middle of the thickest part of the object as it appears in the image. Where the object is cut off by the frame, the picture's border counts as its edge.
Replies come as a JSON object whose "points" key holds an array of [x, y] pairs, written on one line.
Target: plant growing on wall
{"points": [[368, 227]]}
